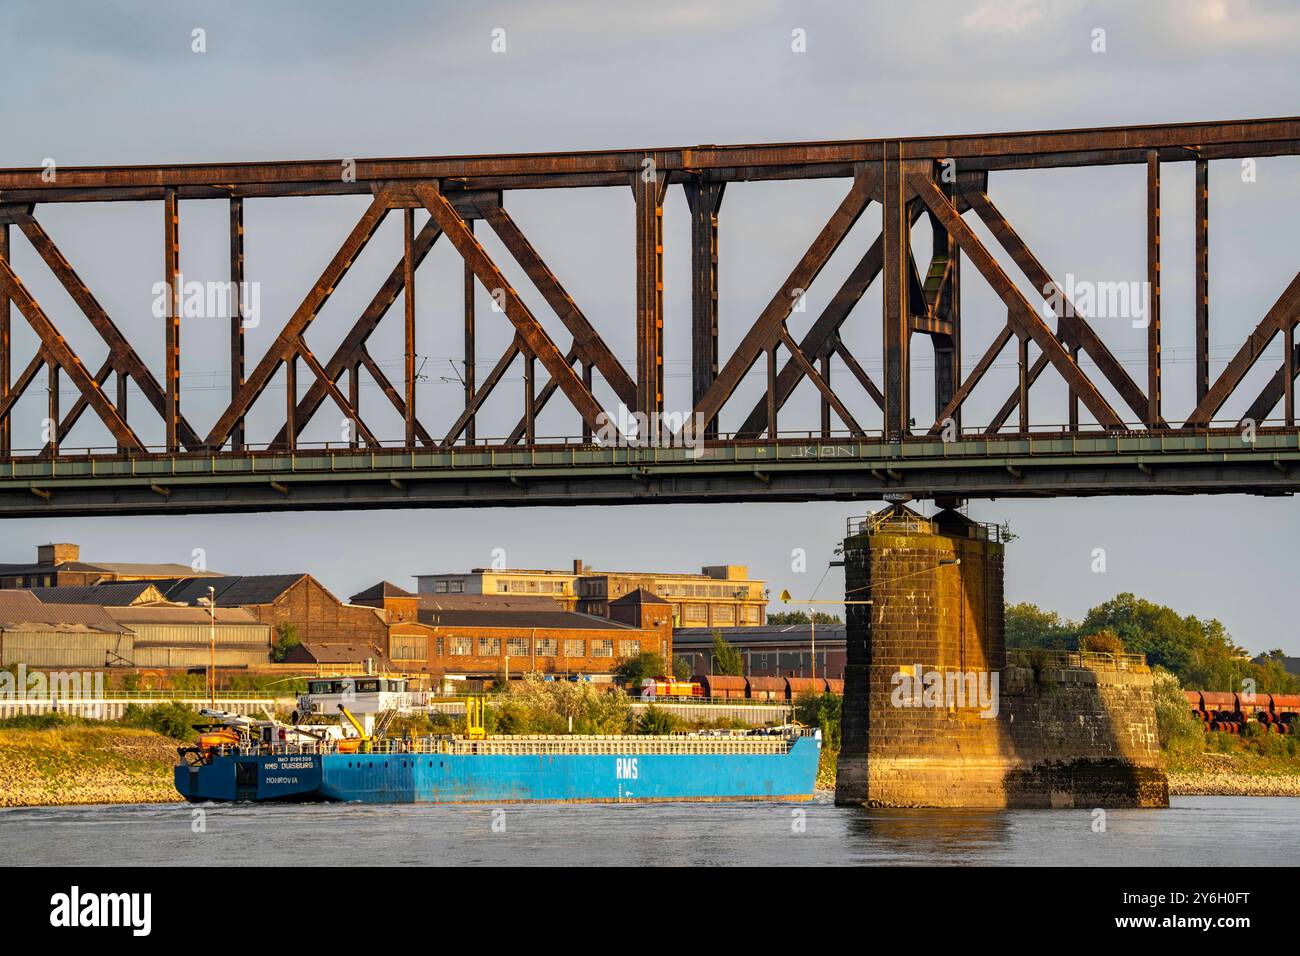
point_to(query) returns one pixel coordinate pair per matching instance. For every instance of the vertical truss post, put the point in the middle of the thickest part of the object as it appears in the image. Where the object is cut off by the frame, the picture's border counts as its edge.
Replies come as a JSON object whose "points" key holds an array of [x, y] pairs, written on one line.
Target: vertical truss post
{"points": [[1072, 399], [1202, 279], [705, 201], [172, 270], [1288, 370], [6, 355], [586, 381], [291, 402], [237, 309], [470, 373], [530, 398], [896, 229], [648, 191], [826, 405], [771, 392], [947, 347], [52, 423], [1153, 284], [1023, 399], [354, 399], [122, 381], [408, 295]]}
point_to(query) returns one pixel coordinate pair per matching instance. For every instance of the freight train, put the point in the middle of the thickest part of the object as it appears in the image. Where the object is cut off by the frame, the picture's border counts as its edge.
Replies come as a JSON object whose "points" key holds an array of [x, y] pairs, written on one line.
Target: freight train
{"points": [[785, 689], [1231, 712]]}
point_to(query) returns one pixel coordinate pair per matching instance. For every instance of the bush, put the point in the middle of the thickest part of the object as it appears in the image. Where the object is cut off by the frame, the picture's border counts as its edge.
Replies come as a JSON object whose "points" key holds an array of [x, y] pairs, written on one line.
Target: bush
{"points": [[41, 721], [1175, 725], [1102, 642], [172, 719], [821, 710], [537, 706], [658, 722]]}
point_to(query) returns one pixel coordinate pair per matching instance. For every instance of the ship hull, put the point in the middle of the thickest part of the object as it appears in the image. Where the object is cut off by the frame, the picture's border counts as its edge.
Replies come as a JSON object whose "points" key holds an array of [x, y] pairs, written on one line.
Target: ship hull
{"points": [[502, 778]]}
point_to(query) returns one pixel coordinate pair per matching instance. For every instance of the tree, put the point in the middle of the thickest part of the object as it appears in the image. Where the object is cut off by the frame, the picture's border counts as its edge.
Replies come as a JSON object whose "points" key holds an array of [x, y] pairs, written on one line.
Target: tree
{"points": [[1028, 625], [632, 670], [727, 659], [285, 642], [801, 617], [682, 669]]}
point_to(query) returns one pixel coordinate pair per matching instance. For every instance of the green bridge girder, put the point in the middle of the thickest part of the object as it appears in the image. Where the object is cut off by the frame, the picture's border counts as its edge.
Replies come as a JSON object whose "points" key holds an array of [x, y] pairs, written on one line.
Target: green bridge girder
{"points": [[787, 470]]}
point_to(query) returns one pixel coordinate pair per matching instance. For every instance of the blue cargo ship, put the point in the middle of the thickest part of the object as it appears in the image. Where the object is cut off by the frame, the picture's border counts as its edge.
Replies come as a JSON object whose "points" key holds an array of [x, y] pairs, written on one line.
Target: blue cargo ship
{"points": [[240, 759]]}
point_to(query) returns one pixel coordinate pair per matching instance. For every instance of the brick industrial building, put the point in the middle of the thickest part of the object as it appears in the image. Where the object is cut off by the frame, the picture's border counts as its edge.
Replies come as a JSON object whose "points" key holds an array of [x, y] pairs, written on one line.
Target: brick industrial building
{"points": [[480, 636], [774, 650], [60, 565], [719, 596]]}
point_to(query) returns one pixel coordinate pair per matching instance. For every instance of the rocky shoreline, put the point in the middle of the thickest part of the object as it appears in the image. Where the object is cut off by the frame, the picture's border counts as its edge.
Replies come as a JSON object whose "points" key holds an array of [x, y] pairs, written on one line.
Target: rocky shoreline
{"points": [[69, 766], [1210, 784]]}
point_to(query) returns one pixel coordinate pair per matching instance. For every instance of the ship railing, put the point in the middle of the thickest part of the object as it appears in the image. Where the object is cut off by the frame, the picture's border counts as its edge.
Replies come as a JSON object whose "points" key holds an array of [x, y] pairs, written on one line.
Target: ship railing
{"points": [[775, 742]]}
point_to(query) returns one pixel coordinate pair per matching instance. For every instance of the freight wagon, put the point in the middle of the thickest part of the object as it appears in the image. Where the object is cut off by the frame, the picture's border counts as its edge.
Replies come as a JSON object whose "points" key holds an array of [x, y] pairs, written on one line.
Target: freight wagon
{"points": [[1230, 712]]}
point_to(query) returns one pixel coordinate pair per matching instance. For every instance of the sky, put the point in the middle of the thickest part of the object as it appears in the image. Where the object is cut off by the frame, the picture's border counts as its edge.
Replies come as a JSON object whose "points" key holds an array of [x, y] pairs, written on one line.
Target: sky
{"points": [[109, 82]]}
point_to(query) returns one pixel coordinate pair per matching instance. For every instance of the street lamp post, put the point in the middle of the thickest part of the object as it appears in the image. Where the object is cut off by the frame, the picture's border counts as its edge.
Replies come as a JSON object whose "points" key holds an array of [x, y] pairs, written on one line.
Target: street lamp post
{"points": [[812, 613], [211, 602]]}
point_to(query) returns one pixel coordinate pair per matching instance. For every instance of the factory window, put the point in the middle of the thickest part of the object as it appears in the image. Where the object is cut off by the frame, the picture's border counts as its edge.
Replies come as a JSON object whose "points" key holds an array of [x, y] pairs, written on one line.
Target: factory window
{"points": [[440, 650], [409, 648], [574, 648], [489, 647], [439, 587], [547, 647], [602, 648], [697, 612], [751, 615], [456, 587], [724, 614], [462, 646], [517, 646], [629, 648]]}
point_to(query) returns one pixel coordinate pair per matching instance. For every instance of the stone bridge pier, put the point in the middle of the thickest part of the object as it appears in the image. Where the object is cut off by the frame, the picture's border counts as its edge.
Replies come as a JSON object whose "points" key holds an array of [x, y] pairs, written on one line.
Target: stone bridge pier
{"points": [[937, 712]]}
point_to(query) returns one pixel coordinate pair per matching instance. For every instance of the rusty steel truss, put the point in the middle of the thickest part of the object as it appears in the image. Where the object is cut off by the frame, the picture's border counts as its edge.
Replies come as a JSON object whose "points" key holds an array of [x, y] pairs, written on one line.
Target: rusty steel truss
{"points": [[944, 179]]}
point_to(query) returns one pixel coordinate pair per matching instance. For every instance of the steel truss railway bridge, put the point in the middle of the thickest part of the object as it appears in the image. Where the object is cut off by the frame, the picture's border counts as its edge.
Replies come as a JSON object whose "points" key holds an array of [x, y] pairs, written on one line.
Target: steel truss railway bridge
{"points": [[1130, 449]]}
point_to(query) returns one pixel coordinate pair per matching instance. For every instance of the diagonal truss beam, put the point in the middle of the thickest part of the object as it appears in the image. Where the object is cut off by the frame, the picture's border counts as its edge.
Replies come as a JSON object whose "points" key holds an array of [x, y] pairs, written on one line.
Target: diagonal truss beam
{"points": [[822, 385], [1285, 308], [390, 390], [1072, 328], [344, 405], [507, 357], [591, 348], [58, 350], [1274, 390], [1019, 311], [78, 409], [349, 351], [766, 329], [535, 340], [284, 346], [20, 384], [983, 365], [121, 355], [539, 403]]}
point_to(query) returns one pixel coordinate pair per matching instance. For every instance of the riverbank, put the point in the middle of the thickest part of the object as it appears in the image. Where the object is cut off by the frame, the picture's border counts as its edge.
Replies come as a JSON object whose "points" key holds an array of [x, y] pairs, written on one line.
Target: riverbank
{"points": [[63, 766], [1236, 774]]}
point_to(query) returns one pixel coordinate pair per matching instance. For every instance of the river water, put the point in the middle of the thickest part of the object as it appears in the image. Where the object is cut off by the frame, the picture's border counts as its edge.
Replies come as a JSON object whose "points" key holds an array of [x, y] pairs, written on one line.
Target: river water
{"points": [[1229, 831]]}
